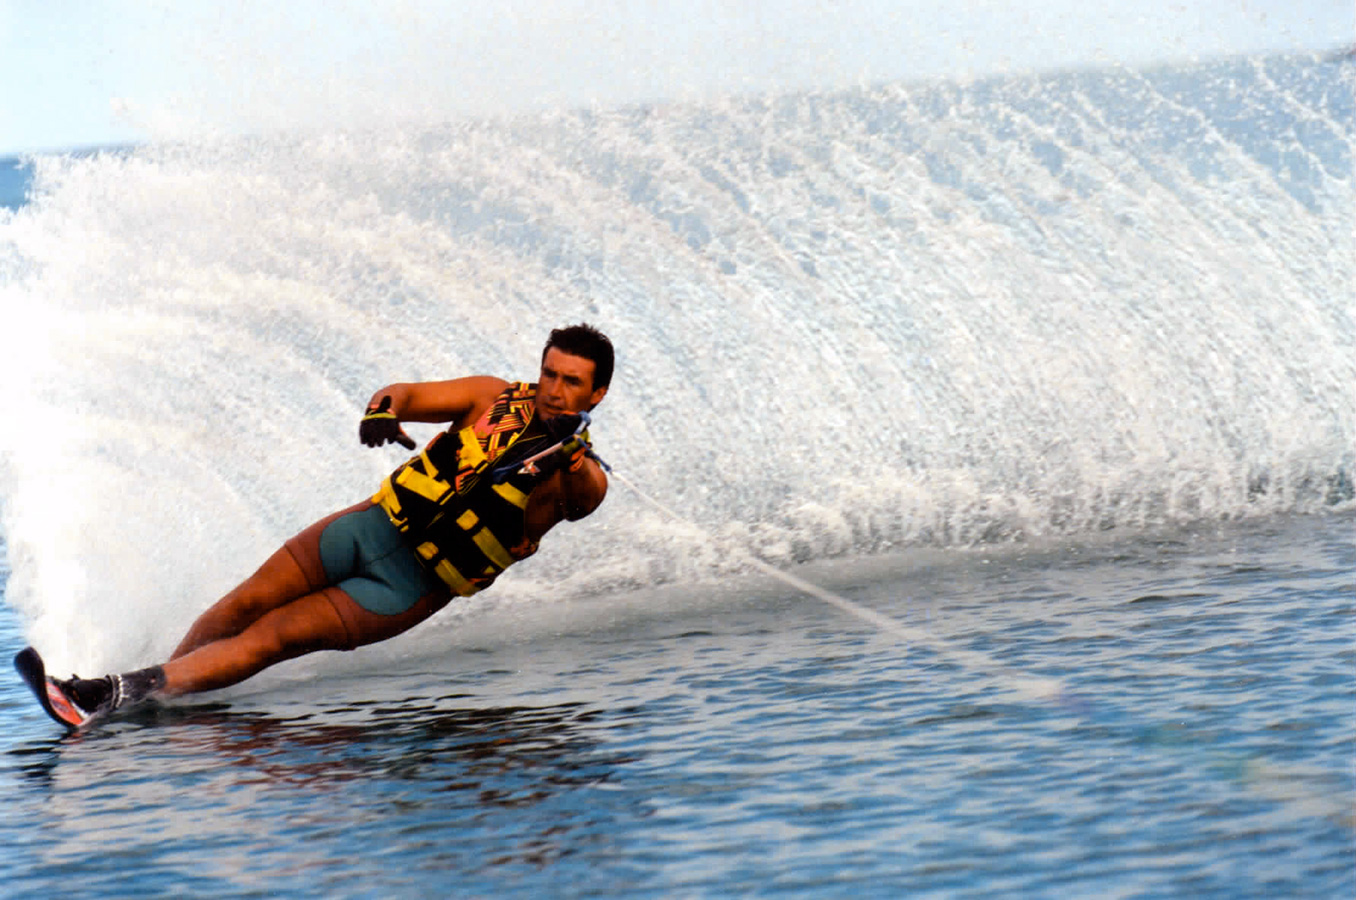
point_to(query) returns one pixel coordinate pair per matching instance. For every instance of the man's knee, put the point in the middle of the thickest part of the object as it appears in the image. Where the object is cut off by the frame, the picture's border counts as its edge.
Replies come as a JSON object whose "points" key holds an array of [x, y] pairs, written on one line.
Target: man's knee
{"points": [[302, 626], [316, 625]]}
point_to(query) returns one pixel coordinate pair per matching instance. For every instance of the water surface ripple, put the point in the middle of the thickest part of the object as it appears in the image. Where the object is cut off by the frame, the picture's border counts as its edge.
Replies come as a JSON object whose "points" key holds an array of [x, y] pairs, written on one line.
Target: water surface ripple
{"points": [[770, 746]]}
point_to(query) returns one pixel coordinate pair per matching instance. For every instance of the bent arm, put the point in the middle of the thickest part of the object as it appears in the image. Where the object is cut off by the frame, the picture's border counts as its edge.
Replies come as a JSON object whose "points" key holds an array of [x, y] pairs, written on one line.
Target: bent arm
{"points": [[582, 491], [460, 400]]}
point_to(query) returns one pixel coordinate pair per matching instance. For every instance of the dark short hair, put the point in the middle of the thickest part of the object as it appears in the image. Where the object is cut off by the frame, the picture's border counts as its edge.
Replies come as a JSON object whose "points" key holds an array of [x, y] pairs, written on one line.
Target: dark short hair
{"points": [[586, 341]]}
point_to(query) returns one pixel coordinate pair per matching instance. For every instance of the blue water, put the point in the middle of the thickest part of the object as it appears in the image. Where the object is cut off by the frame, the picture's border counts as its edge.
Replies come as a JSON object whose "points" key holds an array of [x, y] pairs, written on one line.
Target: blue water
{"points": [[763, 744], [15, 177], [1052, 372]]}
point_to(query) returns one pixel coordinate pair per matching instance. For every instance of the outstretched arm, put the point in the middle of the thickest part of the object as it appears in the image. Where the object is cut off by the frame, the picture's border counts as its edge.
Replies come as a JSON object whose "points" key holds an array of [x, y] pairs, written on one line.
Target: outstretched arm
{"points": [[460, 400]]}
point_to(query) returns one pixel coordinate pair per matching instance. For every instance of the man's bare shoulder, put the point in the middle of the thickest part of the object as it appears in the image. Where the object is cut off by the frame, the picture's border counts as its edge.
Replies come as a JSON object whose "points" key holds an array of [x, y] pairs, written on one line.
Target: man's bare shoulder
{"points": [[474, 394], [482, 386]]}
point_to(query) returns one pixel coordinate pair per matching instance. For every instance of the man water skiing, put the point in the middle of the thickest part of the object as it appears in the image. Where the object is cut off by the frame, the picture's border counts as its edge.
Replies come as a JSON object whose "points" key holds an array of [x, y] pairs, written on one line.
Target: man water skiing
{"points": [[514, 462]]}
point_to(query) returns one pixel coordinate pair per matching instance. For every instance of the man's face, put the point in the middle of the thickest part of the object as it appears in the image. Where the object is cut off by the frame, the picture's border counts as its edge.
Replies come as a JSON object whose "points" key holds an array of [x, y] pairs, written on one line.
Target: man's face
{"points": [[566, 385]]}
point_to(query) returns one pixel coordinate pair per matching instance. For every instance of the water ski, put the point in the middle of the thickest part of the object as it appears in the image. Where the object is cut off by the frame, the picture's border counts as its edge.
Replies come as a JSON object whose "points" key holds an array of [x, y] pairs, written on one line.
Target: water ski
{"points": [[54, 700]]}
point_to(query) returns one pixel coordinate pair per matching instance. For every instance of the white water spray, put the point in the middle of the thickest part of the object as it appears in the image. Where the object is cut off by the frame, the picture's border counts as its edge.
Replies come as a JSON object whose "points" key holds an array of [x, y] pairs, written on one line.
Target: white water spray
{"points": [[850, 322]]}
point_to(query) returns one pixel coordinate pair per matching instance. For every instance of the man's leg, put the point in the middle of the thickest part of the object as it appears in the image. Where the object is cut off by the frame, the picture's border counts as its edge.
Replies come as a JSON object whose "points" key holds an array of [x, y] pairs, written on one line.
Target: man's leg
{"points": [[289, 607], [328, 619], [302, 626], [279, 581], [292, 572], [305, 624]]}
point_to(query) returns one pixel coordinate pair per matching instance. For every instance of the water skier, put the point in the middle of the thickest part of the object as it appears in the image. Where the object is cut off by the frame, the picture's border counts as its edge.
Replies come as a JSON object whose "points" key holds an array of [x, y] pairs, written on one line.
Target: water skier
{"points": [[514, 462]]}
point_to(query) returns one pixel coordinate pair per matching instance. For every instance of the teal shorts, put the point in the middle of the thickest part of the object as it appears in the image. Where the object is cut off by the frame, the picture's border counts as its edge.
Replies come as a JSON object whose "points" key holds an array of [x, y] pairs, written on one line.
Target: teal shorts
{"points": [[366, 557]]}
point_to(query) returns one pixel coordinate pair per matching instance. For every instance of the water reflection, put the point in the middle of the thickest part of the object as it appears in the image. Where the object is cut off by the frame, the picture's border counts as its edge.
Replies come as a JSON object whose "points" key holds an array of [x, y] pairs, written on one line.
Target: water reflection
{"points": [[437, 772], [411, 740]]}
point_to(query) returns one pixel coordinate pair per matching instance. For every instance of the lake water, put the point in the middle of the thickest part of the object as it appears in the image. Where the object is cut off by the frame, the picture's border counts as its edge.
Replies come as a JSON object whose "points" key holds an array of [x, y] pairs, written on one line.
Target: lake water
{"points": [[750, 742]]}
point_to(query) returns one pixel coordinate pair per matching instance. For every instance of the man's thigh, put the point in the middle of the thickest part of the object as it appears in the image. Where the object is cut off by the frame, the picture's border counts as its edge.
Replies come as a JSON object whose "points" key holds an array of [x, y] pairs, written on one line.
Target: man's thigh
{"points": [[362, 626]]}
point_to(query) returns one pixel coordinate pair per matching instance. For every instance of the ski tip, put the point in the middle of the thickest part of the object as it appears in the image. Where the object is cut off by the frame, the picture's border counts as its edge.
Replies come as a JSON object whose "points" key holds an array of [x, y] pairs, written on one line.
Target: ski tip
{"points": [[29, 665], [26, 658]]}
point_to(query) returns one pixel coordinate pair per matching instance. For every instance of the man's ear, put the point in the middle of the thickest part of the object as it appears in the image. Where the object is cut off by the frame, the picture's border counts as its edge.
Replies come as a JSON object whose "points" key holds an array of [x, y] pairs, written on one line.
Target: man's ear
{"points": [[597, 397]]}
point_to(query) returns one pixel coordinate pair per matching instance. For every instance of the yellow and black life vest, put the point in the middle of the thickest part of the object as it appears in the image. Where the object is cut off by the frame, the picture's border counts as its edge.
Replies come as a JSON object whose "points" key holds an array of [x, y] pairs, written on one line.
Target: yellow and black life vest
{"points": [[465, 527]]}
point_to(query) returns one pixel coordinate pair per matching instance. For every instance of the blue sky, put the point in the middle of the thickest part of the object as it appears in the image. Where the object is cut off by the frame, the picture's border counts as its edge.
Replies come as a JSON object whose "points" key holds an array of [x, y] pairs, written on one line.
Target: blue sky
{"points": [[124, 70]]}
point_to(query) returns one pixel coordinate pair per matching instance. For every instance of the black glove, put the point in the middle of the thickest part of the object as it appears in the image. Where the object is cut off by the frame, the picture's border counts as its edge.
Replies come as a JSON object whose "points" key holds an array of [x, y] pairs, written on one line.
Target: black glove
{"points": [[563, 426], [380, 426], [568, 429]]}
